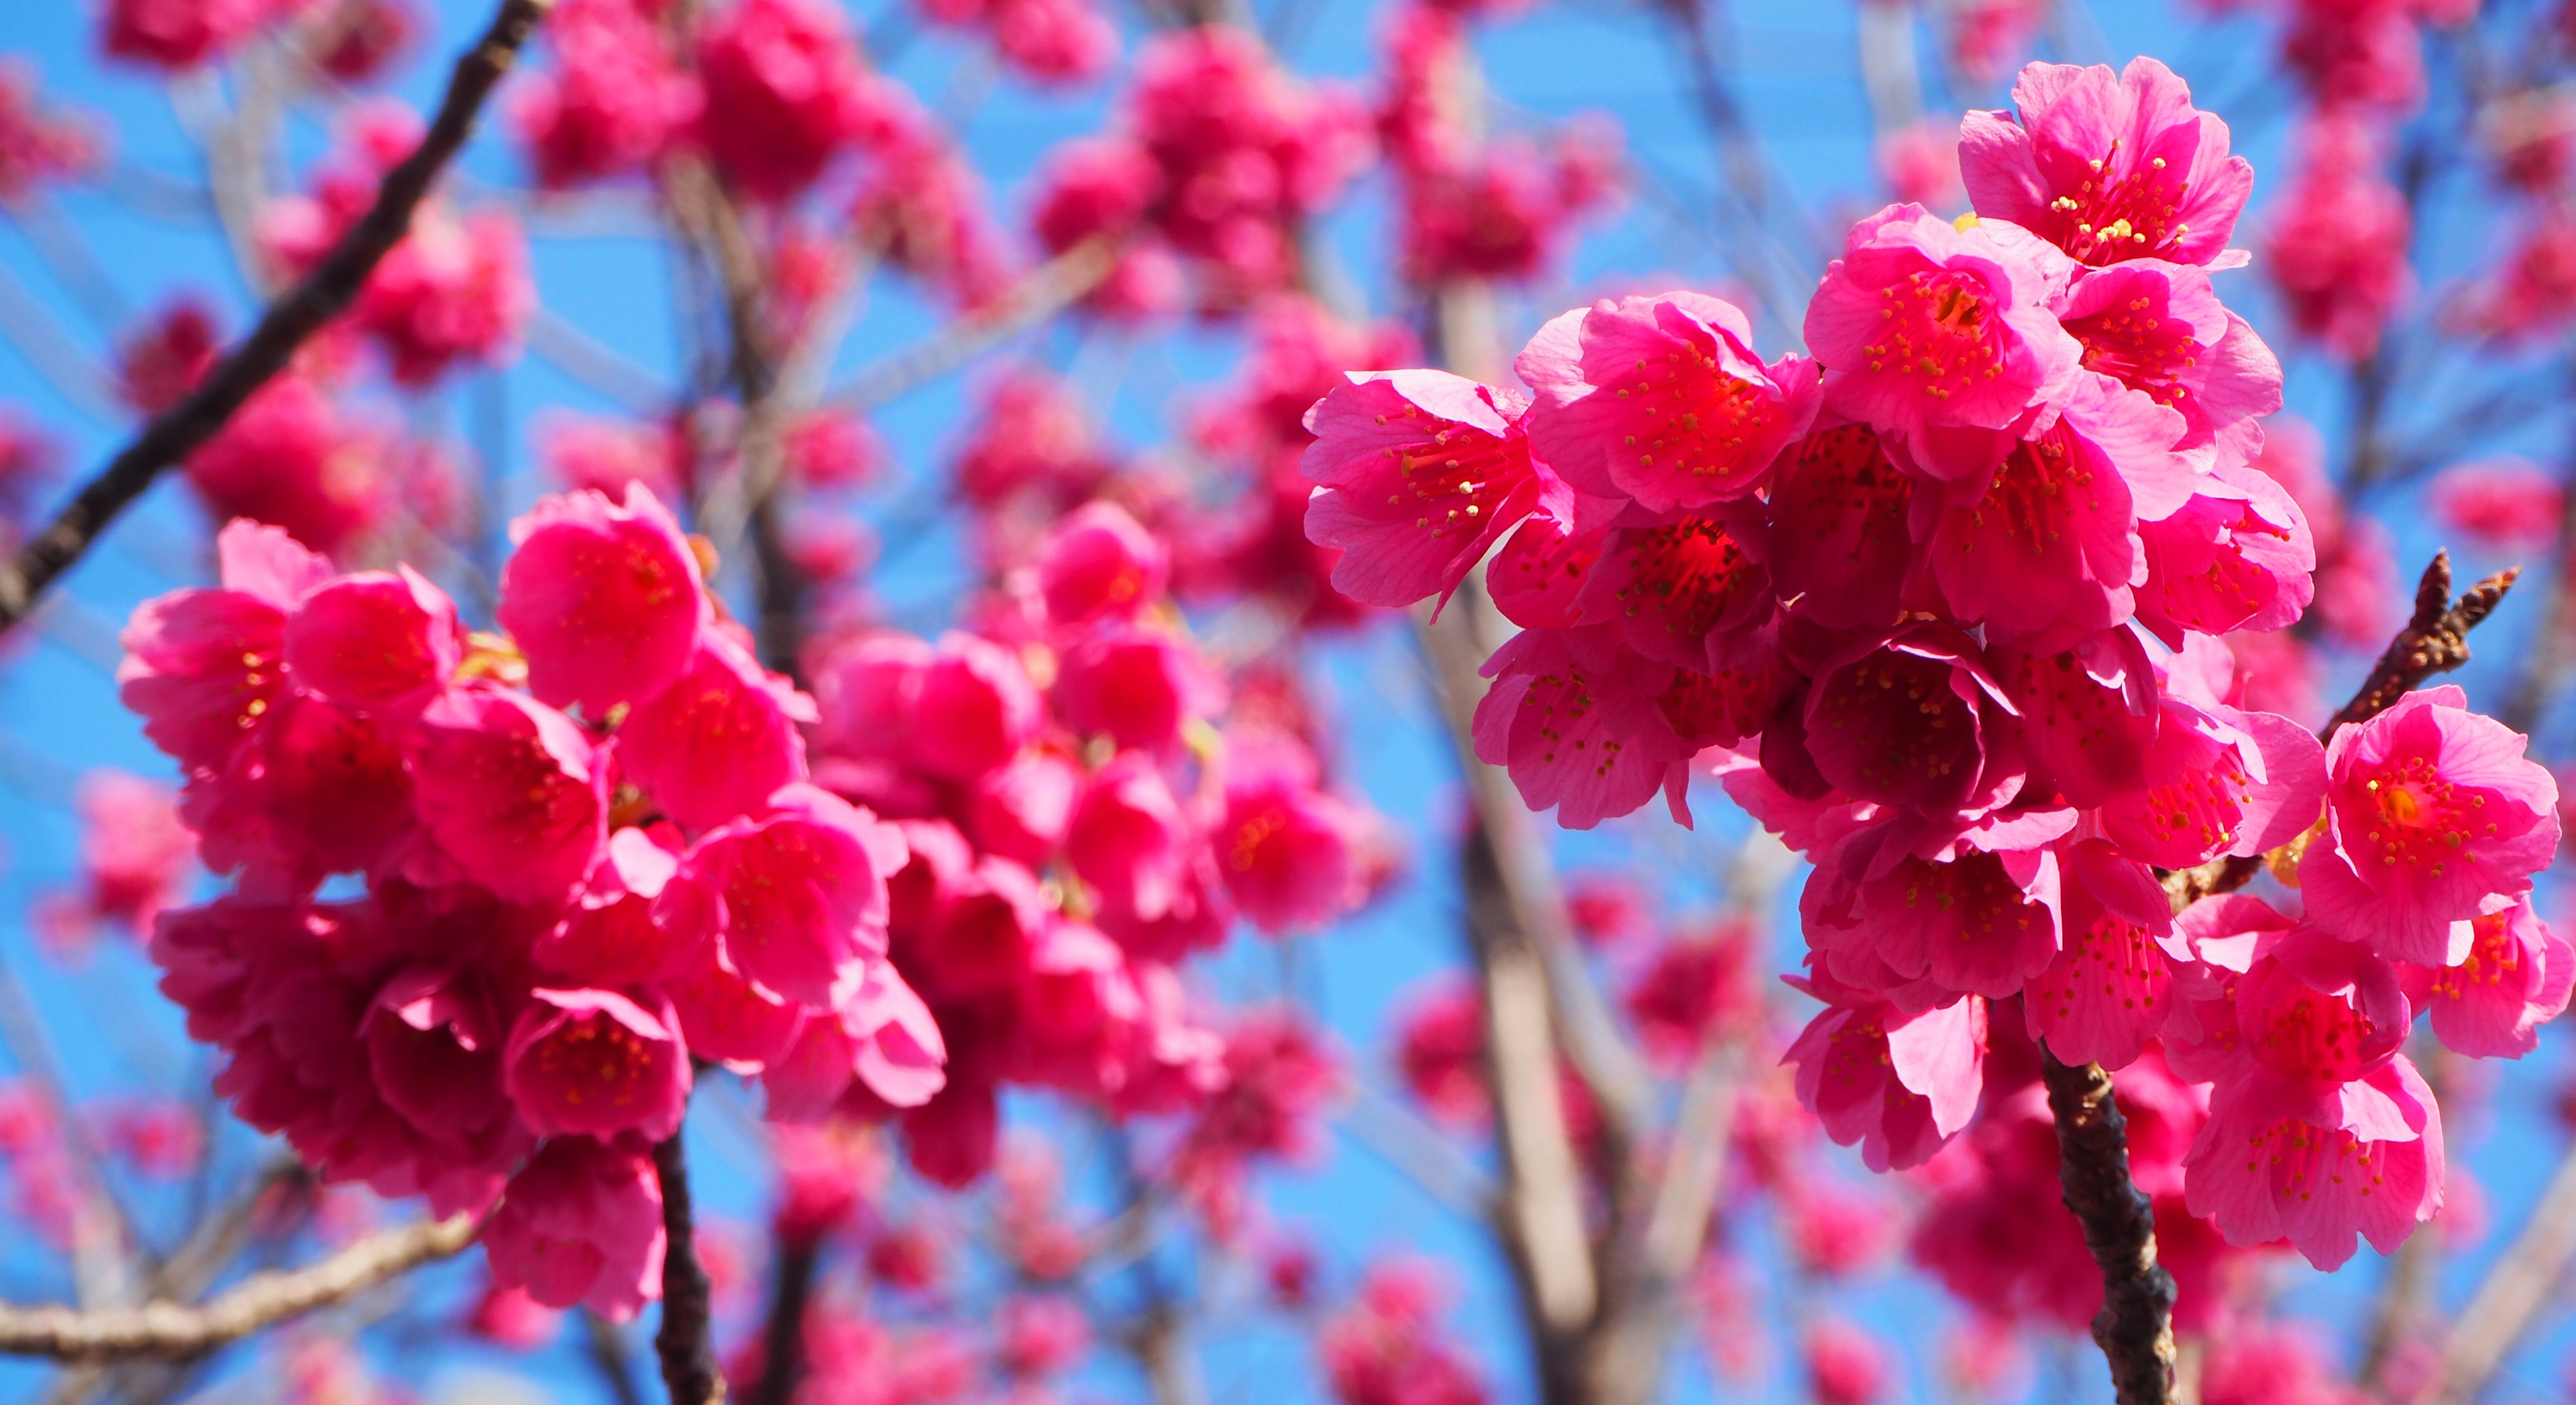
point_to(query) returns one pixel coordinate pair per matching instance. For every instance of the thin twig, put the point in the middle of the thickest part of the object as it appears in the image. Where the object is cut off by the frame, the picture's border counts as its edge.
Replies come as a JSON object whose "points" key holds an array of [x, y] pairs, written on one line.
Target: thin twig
{"points": [[1049, 289], [1426, 1156], [285, 327], [604, 1342], [565, 346], [173, 1332], [2435, 640], [685, 1342]]}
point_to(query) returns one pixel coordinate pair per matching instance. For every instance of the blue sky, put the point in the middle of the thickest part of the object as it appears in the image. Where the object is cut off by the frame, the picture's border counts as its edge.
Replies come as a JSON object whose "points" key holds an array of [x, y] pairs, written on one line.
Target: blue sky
{"points": [[1801, 91]]}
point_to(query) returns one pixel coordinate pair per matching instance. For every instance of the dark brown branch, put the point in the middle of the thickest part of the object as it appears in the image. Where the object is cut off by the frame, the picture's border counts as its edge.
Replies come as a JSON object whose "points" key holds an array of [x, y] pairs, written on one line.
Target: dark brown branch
{"points": [[171, 1331], [288, 323], [605, 1344], [2435, 640], [782, 1355], [2135, 1326], [685, 1343]]}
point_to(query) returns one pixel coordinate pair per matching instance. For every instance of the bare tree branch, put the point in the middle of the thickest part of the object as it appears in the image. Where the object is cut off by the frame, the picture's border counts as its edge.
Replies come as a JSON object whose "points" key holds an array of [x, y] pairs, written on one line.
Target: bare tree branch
{"points": [[782, 1355], [604, 1342], [2135, 1326], [1541, 1218], [1049, 289], [685, 1343], [287, 324], [170, 1331], [2435, 640]]}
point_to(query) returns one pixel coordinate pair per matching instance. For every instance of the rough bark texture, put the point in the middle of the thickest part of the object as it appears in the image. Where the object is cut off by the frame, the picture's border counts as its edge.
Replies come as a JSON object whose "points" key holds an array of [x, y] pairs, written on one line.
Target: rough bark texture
{"points": [[2135, 1326], [687, 1351], [288, 323], [171, 1331], [2436, 640]]}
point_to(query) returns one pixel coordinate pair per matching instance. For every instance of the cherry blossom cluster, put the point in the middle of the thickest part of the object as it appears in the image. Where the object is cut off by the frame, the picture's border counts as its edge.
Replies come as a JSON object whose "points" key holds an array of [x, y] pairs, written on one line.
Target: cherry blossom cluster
{"points": [[1387, 1347], [1473, 209], [1218, 155], [455, 288], [1078, 825], [1941, 607], [593, 859], [349, 40], [38, 146], [2337, 241]]}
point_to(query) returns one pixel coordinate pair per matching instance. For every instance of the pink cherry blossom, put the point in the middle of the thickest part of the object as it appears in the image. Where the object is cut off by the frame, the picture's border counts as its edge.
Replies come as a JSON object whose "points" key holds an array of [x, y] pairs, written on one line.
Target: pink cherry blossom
{"points": [[796, 896], [605, 599], [1129, 839], [720, 740], [1846, 1365], [179, 34], [375, 641], [2089, 716], [2239, 555], [2108, 168], [159, 366], [2371, 1168], [135, 854], [1943, 337], [1138, 687], [2221, 780], [2159, 330], [726, 1017], [2045, 549], [1417, 474], [1981, 923], [582, 1226], [1840, 510], [975, 709], [784, 93], [598, 1063], [1899, 1084], [1098, 563], [1701, 429], [452, 289], [511, 790], [975, 940], [610, 936], [2335, 239], [1022, 810], [883, 1036], [1912, 722], [2110, 987], [612, 102], [2502, 504], [317, 790], [2492, 1003], [1579, 727], [1692, 593], [2432, 811], [433, 1047], [289, 457], [1285, 847]]}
